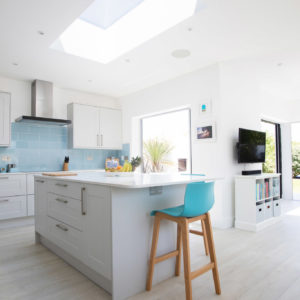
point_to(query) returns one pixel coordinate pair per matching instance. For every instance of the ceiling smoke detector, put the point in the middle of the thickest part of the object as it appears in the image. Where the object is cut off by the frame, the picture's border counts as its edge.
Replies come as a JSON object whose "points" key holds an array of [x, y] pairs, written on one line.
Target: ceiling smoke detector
{"points": [[181, 53]]}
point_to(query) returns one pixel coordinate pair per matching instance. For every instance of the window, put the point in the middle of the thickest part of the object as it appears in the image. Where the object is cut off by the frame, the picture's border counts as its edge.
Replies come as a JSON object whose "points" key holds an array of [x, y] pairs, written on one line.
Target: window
{"points": [[166, 142]]}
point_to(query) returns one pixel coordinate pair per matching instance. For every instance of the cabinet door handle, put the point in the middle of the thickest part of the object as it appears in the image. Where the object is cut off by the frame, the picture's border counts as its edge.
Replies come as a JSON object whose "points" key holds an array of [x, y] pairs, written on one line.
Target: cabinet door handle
{"points": [[3, 177], [83, 211], [101, 139], [4, 200], [61, 200], [97, 139], [40, 181], [62, 227], [61, 184]]}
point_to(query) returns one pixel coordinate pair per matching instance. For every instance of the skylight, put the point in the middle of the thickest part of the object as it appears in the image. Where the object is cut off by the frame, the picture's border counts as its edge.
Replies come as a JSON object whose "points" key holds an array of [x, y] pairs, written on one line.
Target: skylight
{"points": [[105, 36]]}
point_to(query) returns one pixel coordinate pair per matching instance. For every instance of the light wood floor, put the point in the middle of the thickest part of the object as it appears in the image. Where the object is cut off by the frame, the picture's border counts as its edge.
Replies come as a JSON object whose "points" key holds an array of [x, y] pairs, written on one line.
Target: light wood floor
{"points": [[263, 265]]}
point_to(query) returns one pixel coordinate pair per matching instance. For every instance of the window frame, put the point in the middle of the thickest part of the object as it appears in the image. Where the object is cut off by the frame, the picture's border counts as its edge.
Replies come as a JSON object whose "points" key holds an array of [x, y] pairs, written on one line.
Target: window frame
{"points": [[164, 113]]}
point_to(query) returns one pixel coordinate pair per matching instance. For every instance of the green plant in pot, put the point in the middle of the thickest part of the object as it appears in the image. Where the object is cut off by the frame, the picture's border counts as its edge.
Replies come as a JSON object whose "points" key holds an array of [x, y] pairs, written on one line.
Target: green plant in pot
{"points": [[156, 152], [135, 162]]}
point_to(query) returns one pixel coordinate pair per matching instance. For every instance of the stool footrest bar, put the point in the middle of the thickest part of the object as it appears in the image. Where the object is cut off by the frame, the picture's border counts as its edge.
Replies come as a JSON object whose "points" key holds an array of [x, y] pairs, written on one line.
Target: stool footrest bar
{"points": [[202, 270], [196, 232], [165, 256]]}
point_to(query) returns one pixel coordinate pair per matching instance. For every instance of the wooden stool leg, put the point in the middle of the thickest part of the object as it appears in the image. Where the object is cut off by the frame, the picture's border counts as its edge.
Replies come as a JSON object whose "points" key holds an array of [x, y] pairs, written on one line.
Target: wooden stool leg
{"points": [[178, 258], [212, 253], [204, 237], [153, 252], [186, 259]]}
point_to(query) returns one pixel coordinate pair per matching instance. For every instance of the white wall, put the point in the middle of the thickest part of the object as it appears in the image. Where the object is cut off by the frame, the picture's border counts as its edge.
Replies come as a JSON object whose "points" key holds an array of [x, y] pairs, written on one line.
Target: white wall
{"points": [[21, 98], [236, 98]]}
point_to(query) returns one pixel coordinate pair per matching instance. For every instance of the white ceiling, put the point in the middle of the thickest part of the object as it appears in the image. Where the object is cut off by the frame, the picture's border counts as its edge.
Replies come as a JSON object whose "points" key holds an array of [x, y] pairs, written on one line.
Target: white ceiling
{"points": [[223, 30]]}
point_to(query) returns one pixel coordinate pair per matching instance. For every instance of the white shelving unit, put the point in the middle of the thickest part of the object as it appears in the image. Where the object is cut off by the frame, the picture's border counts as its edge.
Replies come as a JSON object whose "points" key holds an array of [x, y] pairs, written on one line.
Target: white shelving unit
{"points": [[257, 201]]}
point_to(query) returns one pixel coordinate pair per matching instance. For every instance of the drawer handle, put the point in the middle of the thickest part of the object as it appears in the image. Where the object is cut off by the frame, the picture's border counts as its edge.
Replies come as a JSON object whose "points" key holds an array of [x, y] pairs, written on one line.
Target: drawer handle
{"points": [[61, 184], [277, 204], [61, 200], [62, 227], [260, 209], [83, 211], [40, 181], [3, 177], [4, 200]]}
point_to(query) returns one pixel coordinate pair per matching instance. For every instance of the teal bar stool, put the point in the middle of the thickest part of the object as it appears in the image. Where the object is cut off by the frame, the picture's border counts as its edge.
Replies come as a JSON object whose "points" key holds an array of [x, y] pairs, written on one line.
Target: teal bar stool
{"points": [[198, 200]]}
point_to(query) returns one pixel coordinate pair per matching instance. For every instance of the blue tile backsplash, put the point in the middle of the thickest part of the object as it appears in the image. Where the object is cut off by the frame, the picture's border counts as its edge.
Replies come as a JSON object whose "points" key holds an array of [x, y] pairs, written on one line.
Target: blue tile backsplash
{"points": [[43, 148]]}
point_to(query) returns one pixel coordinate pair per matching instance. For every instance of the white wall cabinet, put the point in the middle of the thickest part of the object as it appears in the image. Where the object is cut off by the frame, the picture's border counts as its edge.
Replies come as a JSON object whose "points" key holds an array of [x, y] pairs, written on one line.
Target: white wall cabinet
{"points": [[94, 127], [4, 119]]}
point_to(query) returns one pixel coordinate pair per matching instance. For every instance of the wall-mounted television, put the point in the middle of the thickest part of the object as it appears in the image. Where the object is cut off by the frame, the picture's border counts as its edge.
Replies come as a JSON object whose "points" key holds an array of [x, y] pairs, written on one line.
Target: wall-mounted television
{"points": [[251, 146]]}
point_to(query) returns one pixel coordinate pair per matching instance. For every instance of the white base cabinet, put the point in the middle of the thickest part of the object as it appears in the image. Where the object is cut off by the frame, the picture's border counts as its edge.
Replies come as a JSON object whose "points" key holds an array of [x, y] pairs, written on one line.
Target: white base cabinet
{"points": [[257, 201], [76, 218]]}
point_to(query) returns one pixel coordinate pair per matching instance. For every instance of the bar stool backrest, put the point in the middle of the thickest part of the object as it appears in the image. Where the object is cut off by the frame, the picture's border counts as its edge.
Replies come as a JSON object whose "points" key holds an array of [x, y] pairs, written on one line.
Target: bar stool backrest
{"points": [[199, 199]]}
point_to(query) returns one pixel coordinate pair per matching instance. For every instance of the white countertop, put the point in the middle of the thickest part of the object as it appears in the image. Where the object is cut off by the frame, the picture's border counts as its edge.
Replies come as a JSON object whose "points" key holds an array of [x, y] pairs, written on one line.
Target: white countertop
{"points": [[137, 180], [45, 171]]}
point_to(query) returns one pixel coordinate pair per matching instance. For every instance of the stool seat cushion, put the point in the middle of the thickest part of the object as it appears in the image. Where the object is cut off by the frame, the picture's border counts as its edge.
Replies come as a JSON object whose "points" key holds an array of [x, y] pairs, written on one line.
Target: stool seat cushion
{"points": [[172, 211], [198, 200]]}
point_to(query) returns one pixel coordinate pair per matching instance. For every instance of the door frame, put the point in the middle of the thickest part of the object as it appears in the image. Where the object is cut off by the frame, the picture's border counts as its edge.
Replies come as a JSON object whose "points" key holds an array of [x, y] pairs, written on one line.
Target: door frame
{"points": [[277, 150]]}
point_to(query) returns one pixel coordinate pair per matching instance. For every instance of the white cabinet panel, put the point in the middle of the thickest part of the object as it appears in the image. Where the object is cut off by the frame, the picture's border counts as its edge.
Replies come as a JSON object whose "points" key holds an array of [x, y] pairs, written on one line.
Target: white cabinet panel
{"points": [[12, 185], [111, 128], [4, 119], [30, 205], [12, 207], [97, 230], [40, 205], [85, 126]]}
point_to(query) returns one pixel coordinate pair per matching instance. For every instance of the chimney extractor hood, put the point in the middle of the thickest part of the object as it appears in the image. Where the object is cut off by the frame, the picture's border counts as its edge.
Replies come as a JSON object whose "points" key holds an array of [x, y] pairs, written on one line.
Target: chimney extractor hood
{"points": [[42, 105]]}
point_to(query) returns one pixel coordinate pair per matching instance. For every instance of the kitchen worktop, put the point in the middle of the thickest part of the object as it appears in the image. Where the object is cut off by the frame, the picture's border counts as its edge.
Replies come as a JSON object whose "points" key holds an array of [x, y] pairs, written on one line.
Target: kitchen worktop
{"points": [[136, 180], [45, 171]]}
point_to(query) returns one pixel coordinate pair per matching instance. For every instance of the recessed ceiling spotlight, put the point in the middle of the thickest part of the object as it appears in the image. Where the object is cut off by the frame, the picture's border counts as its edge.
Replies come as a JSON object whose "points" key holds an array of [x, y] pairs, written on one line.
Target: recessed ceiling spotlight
{"points": [[279, 64], [127, 60], [90, 80], [40, 32], [190, 29], [181, 53], [15, 64]]}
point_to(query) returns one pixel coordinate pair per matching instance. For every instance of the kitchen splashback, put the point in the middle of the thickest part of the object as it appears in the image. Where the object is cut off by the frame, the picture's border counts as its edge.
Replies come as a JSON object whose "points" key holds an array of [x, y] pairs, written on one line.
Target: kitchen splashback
{"points": [[43, 148]]}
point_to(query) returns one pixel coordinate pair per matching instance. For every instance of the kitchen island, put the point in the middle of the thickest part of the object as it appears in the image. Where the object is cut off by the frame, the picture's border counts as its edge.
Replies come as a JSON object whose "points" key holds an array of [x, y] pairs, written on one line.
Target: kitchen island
{"points": [[102, 225]]}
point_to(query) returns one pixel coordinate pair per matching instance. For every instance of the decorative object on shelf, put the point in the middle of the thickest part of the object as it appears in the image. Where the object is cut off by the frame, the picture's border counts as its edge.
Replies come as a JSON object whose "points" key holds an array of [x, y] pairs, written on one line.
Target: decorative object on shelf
{"points": [[135, 162], [206, 131], [66, 164], [205, 108]]}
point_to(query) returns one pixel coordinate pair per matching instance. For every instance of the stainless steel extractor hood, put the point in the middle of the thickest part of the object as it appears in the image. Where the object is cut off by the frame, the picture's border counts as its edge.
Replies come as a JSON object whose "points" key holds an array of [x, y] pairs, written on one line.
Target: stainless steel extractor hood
{"points": [[42, 105]]}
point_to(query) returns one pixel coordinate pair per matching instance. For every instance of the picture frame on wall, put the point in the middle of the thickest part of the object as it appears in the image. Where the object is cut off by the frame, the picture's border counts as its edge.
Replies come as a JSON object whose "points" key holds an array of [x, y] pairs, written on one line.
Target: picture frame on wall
{"points": [[205, 108], [206, 131]]}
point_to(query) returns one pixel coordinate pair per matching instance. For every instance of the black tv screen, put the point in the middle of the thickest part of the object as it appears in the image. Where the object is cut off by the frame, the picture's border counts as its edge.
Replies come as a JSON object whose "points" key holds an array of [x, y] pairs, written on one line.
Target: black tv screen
{"points": [[251, 146]]}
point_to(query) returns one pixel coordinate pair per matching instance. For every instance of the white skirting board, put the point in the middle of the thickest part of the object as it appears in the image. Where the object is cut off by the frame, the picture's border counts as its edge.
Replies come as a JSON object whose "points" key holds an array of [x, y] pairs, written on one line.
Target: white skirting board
{"points": [[258, 226]]}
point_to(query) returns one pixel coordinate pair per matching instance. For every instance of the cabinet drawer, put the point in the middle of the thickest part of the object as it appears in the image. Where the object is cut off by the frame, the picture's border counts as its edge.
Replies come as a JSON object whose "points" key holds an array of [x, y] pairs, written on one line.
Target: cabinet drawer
{"points": [[65, 188], [12, 207], [12, 185], [268, 209], [30, 205], [65, 236], [276, 208], [260, 212], [65, 209]]}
